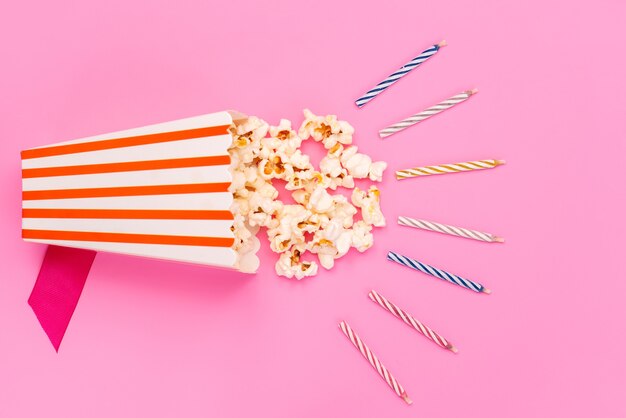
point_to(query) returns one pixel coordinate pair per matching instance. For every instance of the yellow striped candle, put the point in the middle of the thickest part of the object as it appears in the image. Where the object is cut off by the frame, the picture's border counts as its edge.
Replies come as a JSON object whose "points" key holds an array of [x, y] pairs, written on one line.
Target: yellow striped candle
{"points": [[447, 168]]}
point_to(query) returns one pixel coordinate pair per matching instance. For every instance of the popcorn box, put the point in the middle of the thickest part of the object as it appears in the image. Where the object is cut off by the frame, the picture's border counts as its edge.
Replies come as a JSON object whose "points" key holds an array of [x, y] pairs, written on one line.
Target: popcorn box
{"points": [[194, 190], [159, 191]]}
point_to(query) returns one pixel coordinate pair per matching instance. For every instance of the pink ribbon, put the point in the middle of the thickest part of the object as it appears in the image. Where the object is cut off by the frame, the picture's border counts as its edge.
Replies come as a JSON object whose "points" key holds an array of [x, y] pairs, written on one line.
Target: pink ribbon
{"points": [[57, 290]]}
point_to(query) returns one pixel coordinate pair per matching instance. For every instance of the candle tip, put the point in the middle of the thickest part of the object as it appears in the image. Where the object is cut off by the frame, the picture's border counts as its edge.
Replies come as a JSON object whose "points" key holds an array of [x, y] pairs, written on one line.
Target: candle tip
{"points": [[498, 239], [500, 162], [473, 91], [442, 43], [407, 399], [487, 291], [453, 349]]}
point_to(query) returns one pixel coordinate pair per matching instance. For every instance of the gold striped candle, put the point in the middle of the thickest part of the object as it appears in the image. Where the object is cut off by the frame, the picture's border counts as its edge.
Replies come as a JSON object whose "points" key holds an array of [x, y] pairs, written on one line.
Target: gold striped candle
{"points": [[447, 168], [448, 229], [427, 113]]}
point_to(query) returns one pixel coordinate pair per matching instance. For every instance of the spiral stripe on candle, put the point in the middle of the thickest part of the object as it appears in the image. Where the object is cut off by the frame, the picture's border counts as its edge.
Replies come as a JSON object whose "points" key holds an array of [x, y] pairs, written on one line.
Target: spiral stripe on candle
{"points": [[447, 168], [373, 360], [448, 229], [435, 272], [425, 114], [410, 320], [404, 70]]}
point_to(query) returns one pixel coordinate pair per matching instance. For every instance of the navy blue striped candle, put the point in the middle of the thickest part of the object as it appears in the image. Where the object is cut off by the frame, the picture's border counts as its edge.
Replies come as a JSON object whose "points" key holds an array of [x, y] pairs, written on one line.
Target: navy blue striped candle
{"points": [[435, 272], [404, 70]]}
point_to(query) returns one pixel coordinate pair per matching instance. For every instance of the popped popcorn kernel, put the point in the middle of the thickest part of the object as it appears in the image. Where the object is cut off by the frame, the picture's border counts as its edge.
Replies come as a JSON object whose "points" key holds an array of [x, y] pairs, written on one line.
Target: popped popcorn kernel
{"points": [[369, 202], [290, 265], [319, 222], [326, 129], [360, 166]]}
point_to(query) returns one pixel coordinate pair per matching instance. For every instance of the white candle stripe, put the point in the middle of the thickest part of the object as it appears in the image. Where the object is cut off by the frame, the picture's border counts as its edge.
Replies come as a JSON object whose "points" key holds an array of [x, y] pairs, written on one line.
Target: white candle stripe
{"points": [[426, 113], [419, 325], [374, 362], [410, 320]]}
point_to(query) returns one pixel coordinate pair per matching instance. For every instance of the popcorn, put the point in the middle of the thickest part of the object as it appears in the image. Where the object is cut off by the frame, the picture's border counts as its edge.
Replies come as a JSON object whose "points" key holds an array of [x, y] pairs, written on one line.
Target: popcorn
{"points": [[369, 202], [318, 221], [320, 201], [336, 175], [290, 265], [292, 222], [328, 250], [326, 129], [288, 137], [274, 167], [252, 128], [302, 178], [298, 160], [343, 211], [362, 237], [360, 166], [376, 170]]}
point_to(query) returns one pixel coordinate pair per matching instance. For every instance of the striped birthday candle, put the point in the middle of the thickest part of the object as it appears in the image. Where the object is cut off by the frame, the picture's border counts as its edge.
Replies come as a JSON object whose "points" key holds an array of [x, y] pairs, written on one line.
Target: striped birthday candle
{"points": [[375, 363], [448, 229], [435, 272], [431, 170], [411, 321], [427, 113], [404, 70]]}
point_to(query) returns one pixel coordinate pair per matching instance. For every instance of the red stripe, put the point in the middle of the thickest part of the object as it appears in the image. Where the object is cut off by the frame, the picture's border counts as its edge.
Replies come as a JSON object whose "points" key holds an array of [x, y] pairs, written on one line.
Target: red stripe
{"points": [[126, 166], [125, 191], [124, 142], [127, 238], [127, 214]]}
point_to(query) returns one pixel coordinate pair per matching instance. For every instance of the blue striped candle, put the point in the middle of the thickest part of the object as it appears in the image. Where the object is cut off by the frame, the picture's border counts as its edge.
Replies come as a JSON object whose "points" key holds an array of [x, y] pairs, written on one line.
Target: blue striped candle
{"points": [[404, 70], [435, 272]]}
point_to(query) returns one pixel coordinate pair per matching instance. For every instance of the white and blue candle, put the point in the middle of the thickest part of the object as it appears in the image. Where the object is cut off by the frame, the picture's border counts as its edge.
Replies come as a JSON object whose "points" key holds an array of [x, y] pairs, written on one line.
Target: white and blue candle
{"points": [[404, 70], [435, 272]]}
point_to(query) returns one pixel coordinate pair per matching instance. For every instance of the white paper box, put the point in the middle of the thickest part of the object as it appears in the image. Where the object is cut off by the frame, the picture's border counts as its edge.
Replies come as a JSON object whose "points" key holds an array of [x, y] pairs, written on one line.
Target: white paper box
{"points": [[157, 191]]}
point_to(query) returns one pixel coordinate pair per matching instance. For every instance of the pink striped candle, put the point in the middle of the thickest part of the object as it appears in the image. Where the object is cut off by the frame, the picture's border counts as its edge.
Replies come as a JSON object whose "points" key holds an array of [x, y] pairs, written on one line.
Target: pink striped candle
{"points": [[373, 360], [411, 321]]}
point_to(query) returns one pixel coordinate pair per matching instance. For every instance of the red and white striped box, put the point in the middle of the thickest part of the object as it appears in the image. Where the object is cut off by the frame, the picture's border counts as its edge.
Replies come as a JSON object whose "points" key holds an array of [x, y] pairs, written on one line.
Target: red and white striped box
{"points": [[157, 191]]}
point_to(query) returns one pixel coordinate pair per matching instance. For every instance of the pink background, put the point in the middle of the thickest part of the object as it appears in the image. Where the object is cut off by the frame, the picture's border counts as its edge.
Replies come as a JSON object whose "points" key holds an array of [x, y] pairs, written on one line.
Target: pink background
{"points": [[152, 338]]}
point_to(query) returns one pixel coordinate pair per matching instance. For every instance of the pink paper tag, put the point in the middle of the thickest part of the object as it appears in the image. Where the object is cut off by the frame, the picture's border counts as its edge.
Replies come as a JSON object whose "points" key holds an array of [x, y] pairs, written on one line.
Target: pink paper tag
{"points": [[57, 290]]}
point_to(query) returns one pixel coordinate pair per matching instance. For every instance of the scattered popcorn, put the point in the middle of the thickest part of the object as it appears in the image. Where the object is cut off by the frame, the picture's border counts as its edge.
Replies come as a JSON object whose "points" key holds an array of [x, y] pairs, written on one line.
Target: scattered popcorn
{"points": [[360, 166], [376, 170], [318, 222], [362, 238], [369, 202], [320, 201], [290, 265], [336, 175], [288, 137], [326, 129]]}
